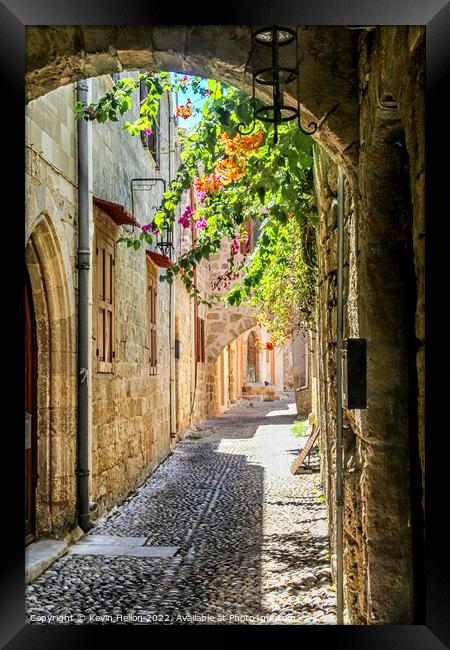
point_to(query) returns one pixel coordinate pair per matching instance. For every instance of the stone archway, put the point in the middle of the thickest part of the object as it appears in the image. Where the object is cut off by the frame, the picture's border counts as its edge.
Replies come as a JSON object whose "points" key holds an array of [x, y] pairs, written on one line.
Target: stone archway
{"points": [[224, 325], [59, 55], [53, 298]]}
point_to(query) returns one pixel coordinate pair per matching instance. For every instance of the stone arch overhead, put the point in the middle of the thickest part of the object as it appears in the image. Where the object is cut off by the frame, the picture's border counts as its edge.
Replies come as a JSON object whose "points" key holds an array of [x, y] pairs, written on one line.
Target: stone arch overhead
{"points": [[223, 325], [59, 55], [54, 308]]}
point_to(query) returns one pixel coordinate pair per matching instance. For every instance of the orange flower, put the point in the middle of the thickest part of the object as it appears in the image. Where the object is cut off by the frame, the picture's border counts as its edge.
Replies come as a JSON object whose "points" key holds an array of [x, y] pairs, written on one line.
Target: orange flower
{"points": [[208, 183], [228, 170], [185, 110], [241, 145]]}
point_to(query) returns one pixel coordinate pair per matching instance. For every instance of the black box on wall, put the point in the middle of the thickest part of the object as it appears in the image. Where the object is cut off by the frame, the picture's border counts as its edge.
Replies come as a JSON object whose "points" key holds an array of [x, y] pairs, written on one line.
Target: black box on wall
{"points": [[354, 373]]}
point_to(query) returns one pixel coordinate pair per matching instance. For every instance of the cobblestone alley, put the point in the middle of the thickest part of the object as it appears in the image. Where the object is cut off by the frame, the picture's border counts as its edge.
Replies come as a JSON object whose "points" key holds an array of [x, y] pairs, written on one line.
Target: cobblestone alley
{"points": [[251, 541]]}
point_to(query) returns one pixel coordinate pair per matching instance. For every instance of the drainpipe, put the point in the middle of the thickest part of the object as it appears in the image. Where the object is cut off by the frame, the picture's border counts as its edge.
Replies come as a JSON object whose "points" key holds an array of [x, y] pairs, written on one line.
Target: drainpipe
{"points": [[83, 348], [172, 288], [339, 447]]}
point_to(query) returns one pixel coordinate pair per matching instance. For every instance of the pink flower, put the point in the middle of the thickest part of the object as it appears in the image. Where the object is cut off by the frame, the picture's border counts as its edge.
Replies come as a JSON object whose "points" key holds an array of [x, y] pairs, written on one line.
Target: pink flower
{"points": [[152, 227], [245, 240], [148, 131], [236, 244], [186, 217], [200, 224], [201, 196], [185, 78]]}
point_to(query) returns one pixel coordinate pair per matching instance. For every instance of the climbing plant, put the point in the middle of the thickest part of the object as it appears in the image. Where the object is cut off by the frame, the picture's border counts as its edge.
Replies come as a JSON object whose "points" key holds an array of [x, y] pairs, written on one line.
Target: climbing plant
{"points": [[237, 178]]}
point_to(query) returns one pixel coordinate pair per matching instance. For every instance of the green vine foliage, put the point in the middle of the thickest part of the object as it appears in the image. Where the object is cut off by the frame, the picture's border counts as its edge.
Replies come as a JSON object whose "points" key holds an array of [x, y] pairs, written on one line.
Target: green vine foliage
{"points": [[276, 191]]}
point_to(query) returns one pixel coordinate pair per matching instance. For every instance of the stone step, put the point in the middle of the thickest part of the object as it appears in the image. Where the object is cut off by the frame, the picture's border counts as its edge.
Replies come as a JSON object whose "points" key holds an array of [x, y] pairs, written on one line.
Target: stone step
{"points": [[252, 398]]}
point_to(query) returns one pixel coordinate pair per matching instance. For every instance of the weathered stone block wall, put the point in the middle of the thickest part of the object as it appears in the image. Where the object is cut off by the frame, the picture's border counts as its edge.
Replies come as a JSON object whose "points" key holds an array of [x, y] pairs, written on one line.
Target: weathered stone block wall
{"points": [[51, 240], [383, 299], [130, 407], [184, 332]]}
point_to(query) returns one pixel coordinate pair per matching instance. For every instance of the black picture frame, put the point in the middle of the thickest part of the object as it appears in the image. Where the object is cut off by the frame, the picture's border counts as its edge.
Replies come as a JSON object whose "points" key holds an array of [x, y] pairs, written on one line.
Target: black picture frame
{"points": [[15, 15]]}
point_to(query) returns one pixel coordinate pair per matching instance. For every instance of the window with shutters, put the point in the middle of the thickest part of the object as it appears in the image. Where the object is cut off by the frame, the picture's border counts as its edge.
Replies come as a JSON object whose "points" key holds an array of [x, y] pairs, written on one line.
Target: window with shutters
{"points": [[104, 287], [152, 320], [151, 142], [200, 339]]}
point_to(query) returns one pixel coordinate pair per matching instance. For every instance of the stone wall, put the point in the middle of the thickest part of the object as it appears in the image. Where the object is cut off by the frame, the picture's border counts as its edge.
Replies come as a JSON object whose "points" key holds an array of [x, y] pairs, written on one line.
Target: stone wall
{"points": [[130, 407], [51, 240], [383, 303]]}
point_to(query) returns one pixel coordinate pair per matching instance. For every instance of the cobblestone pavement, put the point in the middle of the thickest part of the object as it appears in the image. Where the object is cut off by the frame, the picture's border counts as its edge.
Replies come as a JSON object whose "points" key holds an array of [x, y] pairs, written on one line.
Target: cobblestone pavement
{"points": [[253, 541]]}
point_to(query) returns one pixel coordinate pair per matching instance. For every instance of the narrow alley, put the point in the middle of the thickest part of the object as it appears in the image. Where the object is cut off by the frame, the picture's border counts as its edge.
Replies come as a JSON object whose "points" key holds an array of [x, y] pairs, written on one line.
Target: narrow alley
{"points": [[246, 540], [224, 253]]}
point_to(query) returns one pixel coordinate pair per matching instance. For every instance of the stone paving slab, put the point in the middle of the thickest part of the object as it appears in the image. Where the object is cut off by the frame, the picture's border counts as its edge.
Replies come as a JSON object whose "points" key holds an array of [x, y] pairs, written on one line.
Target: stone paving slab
{"points": [[40, 555], [123, 550], [112, 540]]}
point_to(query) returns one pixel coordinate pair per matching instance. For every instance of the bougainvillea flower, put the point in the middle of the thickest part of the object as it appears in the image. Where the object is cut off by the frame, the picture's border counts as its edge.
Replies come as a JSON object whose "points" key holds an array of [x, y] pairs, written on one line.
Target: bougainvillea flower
{"points": [[270, 345], [148, 131], [184, 110], [236, 245], [229, 170], [208, 183], [185, 78], [202, 196], [200, 224], [186, 218], [152, 227], [241, 145]]}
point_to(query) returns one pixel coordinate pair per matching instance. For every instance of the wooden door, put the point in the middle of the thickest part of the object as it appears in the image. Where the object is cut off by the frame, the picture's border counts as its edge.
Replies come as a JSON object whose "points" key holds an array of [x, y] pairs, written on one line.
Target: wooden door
{"points": [[251, 357], [30, 416]]}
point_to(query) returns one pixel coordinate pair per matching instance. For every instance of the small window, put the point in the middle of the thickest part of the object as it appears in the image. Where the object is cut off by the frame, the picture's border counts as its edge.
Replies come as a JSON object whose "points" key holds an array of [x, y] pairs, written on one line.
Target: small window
{"points": [[247, 248], [151, 142], [152, 306], [104, 292]]}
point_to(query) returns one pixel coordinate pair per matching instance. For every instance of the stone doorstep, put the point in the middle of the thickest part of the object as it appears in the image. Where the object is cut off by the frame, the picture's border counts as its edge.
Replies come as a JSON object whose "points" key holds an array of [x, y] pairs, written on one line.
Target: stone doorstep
{"points": [[123, 550], [40, 555], [251, 397], [116, 546], [112, 540]]}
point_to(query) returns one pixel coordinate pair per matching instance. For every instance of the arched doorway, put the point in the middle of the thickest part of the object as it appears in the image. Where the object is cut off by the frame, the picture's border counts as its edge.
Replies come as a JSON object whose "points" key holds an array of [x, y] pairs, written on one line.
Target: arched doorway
{"points": [[52, 363], [30, 414], [252, 358]]}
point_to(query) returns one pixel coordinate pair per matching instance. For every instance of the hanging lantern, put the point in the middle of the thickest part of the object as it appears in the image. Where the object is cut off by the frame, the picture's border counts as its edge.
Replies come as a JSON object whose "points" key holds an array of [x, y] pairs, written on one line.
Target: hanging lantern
{"points": [[273, 50], [164, 241]]}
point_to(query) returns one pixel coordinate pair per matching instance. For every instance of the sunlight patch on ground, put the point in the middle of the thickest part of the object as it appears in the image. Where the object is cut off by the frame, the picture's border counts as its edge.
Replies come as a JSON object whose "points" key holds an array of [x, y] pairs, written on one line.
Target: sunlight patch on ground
{"points": [[291, 410]]}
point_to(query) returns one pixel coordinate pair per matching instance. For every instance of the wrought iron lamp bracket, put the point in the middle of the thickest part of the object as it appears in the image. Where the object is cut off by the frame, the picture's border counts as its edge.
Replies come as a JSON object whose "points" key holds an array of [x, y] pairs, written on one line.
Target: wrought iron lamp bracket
{"points": [[275, 37]]}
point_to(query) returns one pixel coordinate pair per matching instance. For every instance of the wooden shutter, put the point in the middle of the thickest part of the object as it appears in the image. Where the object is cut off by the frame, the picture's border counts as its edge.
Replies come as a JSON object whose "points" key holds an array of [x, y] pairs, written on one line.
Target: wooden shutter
{"points": [[153, 361], [105, 331], [202, 339]]}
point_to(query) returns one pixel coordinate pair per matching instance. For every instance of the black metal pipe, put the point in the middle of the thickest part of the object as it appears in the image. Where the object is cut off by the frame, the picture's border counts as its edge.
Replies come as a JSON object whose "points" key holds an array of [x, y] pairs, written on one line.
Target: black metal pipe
{"points": [[83, 348]]}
